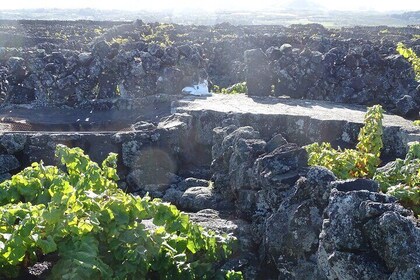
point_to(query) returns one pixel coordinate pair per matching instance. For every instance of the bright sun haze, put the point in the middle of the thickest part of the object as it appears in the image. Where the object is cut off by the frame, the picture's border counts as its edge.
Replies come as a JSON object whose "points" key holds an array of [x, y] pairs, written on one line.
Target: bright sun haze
{"points": [[378, 5]]}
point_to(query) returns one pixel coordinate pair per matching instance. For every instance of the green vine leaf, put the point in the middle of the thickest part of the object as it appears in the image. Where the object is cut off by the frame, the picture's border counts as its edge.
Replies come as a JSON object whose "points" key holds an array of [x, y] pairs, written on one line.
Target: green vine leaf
{"points": [[99, 232]]}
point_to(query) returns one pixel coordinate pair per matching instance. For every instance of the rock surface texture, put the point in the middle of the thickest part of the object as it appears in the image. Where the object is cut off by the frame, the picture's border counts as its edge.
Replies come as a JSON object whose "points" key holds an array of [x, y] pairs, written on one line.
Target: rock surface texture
{"points": [[89, 62], [300, 121], [247, 177], [306, 224], [366, 235], [234, 162]]}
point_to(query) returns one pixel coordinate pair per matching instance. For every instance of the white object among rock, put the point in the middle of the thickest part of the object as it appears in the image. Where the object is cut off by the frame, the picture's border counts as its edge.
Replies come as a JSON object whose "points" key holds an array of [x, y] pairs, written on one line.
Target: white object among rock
{"points": [[200, 89]]}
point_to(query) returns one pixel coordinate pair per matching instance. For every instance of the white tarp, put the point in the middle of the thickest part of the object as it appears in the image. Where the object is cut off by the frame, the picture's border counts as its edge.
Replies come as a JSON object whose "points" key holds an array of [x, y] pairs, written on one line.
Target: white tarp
{"points": [[201, 89]]}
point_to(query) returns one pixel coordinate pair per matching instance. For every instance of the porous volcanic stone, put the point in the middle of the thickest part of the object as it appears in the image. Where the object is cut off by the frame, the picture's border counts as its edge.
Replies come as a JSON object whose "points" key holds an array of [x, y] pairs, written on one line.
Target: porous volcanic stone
{"points": [[8, 163]]}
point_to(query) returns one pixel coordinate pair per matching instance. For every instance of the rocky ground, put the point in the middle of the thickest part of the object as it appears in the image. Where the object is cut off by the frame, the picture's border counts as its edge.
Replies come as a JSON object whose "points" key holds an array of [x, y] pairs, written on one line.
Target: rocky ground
{"points": [[78, 63], [234, 162]]}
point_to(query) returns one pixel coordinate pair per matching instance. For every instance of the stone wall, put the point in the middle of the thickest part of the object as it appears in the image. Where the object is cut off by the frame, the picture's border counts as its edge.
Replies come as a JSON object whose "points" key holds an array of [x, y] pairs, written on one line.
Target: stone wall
{"points": [[148, 154], [71, 65], [305, 223], [72, 78], [353, 71], [289, 218]]}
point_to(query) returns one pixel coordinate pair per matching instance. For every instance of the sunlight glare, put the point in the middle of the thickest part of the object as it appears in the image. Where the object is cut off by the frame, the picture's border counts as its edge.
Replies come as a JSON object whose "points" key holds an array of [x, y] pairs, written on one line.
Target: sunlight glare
{"points": [[213, 5]]}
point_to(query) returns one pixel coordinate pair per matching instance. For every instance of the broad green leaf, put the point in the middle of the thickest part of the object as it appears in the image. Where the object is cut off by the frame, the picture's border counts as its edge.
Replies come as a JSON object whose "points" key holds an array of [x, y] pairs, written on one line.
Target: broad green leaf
{"points": [[98, 231], [47, 245]]}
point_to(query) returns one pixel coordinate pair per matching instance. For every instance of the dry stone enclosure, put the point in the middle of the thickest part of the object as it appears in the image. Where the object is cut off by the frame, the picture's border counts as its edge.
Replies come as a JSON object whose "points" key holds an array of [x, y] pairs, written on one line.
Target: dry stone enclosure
{"points": [[234, 162]]}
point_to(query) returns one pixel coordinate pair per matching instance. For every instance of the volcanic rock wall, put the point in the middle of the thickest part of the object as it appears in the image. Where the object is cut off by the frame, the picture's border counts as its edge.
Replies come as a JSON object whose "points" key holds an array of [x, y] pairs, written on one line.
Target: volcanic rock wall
{"points": [[305, 223], [74, 63], [352, 71], [289, 218], [50, 75]]}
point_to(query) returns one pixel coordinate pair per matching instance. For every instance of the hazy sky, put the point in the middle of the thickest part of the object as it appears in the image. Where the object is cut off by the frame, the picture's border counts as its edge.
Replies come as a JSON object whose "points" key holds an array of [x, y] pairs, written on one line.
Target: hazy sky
{"points": [[379, 5]]}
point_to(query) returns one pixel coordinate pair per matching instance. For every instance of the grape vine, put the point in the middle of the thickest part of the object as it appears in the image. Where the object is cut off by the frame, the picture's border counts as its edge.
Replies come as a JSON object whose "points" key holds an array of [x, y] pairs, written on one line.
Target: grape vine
{"points": [[77, 212], [411, 56], [233, 89], [400, 178], [351, 163]]}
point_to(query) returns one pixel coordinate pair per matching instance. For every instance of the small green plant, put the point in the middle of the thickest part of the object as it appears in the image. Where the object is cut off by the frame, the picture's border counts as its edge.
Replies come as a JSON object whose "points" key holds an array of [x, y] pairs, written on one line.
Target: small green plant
{"points": [[77, 212], [411, 56], [402, 178], [416, 123], [98, 31], [61, 35], [353, 163], [119, 40], [233, 275], [118, 90], [160, 35], [233, 89], [165, 27]]}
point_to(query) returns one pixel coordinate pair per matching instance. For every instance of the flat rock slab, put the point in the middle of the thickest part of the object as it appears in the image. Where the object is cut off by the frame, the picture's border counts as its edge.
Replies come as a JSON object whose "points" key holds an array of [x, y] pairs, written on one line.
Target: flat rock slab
{"points": [[322, 110], [70, 119], [301, 121]]}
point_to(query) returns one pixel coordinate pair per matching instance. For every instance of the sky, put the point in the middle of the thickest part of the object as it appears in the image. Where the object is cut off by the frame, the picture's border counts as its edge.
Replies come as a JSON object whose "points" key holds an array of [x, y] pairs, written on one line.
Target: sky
{"points": [[377, 5]]}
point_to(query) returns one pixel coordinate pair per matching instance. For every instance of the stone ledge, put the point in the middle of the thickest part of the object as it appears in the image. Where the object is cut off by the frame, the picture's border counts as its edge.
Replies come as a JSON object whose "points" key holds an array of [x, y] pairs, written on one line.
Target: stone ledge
{"points": [[301, 121]]}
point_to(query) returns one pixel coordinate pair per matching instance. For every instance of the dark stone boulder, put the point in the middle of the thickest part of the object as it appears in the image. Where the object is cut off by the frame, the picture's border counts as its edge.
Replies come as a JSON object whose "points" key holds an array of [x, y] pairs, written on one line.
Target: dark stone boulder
{"points": [[8, 163], [13, 143], [175, 134], [275, 142], [19, 94], [251, 172], [258, 73], [151, 64], [67, 83], [85, 58], [171, 81], [170, 56], [191, 183], [56, 57], [172, 195], [155, 50], [245, 259], [356, 185], [397, 62], [273, 53], [245, 152], [381, 241], [199, 198], [225, 142], [143, 126], [137, 70], [107, 82], [291, 232], [351, 60], [220, 159], [5, 176], [286, 49], [101, 50], [17, 70], [280, 167], [406, 106], [196, 187], [185, 50]]}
